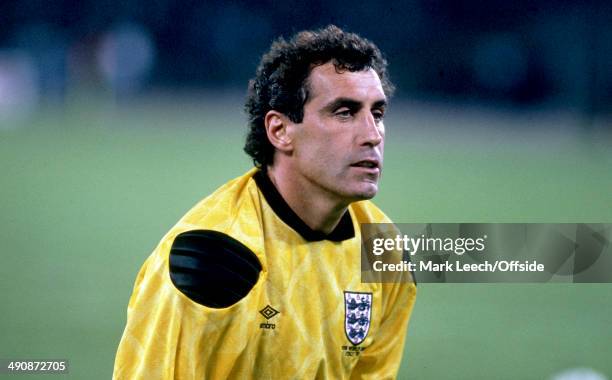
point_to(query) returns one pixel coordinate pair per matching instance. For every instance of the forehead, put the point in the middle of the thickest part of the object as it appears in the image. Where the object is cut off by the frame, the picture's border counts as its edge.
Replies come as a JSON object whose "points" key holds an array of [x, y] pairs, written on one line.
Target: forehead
{"points": [[326, 83]]}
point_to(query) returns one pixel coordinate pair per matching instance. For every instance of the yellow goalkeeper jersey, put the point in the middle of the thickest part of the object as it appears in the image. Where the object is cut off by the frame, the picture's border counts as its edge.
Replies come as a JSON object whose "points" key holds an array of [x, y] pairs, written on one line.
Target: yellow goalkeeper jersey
{"points": [[308, 316]]}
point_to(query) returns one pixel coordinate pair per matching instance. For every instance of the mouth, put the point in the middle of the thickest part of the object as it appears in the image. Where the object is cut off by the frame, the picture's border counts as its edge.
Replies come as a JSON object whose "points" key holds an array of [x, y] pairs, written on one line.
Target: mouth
{"points": [[368, 164]]}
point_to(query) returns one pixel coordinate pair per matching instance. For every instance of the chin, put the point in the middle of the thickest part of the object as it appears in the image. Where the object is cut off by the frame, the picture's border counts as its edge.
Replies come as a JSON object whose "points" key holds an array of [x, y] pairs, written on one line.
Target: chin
{"points": [[365, 193], [367, 196]]}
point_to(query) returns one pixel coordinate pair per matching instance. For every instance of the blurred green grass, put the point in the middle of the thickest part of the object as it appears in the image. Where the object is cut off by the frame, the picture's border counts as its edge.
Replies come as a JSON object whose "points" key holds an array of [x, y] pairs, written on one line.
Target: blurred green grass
{"points": [[87, 194]]}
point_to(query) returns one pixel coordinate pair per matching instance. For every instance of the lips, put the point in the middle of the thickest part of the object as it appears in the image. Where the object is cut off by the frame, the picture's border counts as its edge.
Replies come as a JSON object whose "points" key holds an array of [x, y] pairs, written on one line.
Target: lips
{"points": [[368, 163]]}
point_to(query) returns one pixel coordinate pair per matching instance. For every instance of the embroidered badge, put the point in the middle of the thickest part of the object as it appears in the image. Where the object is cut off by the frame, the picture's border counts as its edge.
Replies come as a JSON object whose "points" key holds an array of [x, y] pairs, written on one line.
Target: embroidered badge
{"points": [[357, 316]]}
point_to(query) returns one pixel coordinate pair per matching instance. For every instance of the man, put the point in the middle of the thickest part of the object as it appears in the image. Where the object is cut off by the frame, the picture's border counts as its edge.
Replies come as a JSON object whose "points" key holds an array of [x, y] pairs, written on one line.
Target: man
{"points": [[262, 278]]}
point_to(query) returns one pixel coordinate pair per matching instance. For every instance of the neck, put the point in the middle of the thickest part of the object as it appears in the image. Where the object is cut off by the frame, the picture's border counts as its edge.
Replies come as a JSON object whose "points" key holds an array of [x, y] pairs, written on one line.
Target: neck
{"points": [[320, 211]]}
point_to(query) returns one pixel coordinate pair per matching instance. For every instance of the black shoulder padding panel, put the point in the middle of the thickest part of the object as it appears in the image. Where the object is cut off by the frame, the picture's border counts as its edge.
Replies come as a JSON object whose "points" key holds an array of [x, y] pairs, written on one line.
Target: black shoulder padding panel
{"points": [[212, 268]]}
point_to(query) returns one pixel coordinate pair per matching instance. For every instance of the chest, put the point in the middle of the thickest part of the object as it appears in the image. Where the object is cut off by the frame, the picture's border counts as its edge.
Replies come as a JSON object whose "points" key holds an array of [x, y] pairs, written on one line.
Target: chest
{"points": [[311, 296]]}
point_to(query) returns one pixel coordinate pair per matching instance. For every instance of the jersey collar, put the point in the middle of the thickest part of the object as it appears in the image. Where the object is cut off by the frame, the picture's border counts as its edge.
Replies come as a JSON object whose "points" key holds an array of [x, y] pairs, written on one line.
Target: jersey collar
{"points": [[343, 231]]}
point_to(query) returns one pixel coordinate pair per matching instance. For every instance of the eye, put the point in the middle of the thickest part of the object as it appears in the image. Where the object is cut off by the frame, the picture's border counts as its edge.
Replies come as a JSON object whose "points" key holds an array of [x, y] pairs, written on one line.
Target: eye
{"points": [[344, 113], [378, 114]]}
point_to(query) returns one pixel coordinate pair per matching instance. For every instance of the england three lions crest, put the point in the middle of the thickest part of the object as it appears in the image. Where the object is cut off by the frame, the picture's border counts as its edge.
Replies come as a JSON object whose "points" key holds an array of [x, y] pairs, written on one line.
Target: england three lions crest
{"points": [[357, 316]]}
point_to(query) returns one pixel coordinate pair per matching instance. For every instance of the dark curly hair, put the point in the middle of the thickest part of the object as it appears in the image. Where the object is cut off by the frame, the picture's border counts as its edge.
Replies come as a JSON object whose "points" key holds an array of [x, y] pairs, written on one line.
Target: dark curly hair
{"points": [[280, 82]]}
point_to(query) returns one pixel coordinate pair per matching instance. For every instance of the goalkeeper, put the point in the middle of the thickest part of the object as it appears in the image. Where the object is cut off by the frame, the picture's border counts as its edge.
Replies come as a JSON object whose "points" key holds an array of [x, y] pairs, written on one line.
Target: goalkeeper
{"points": [[261, 279]]}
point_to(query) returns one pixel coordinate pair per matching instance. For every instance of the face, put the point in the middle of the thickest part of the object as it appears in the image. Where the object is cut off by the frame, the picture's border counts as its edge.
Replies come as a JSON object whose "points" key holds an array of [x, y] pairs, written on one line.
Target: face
{"points": [[338, 147]]}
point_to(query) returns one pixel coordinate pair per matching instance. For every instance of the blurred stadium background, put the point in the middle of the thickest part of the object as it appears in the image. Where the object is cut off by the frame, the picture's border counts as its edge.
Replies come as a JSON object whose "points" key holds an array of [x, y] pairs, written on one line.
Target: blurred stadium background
{"points": [[115, 118]]}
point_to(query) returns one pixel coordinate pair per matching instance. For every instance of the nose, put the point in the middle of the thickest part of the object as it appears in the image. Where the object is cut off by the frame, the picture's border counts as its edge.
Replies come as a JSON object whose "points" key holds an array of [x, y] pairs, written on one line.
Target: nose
{"points": [[372, 133]]}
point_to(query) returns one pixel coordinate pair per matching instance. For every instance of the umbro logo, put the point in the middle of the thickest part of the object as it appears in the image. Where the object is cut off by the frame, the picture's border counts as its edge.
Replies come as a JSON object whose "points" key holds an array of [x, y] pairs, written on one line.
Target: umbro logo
{"points": [[268, 312]]}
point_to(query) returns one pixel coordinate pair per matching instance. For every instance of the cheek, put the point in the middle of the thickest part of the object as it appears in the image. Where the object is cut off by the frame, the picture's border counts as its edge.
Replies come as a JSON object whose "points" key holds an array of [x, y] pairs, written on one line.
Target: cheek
{"points": [[311, 154], [324, 155], [314, 143], [323, 149]]}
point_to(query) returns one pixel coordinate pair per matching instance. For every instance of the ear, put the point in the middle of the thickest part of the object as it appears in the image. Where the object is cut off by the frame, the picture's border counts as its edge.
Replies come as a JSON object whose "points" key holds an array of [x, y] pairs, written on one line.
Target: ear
{"points": [[276, 128]]}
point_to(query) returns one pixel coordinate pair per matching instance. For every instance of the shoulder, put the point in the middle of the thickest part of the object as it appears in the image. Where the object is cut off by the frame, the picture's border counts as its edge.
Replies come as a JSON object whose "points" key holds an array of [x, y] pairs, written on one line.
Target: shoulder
{"points": [[374, 223], [212, 268], [222, 206], [368, 212]]}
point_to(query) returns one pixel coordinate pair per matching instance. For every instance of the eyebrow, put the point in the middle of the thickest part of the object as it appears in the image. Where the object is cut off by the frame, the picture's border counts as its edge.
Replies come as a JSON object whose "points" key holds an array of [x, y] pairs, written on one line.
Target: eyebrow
{"points": [[350, 103]]}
